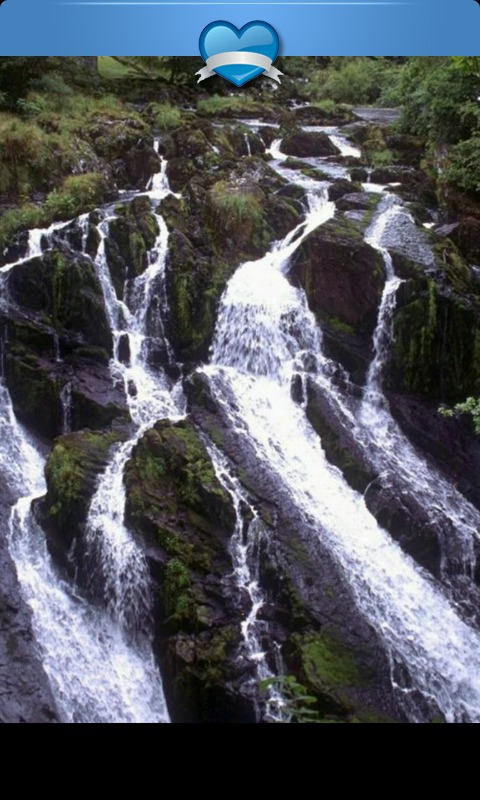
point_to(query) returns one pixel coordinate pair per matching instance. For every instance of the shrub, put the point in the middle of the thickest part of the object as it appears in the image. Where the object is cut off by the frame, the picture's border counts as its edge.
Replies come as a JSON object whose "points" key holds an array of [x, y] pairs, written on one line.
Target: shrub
{"points": [[166, 116], [463, 165], [470, 406], [78, 193]]}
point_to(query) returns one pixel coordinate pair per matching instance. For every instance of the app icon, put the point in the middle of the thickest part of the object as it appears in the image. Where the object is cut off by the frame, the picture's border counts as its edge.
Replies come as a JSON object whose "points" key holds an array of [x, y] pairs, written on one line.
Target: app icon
{"points": [[239, 55]]}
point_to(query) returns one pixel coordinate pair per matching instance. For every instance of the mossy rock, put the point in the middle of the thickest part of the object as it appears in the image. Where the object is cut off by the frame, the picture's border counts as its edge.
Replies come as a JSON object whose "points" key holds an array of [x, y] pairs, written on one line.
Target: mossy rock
{"points": [[328, 669], [436, 344], [184, 519], [113, 134], [64, 292], [35, 391], [331, 264], [131, 235], [170, 474], [71, 472], [217, 225]]}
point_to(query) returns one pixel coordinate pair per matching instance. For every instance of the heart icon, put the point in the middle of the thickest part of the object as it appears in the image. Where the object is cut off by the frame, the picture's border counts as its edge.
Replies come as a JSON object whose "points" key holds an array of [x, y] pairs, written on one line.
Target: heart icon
{"points": [[223, 39]]}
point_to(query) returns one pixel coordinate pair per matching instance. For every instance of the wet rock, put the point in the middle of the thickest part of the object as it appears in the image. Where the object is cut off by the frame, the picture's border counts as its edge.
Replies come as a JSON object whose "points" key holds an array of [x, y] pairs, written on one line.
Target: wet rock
{"points": [[131, 236], [315, 115], [449, 442], [436, 338], [268, 135], [141, 162], [357, 200], [409, 150], [410, 525], [217, 225], [17, 250], [123, 349], [308, 145], [466, 236], [26, 696], [237, 140], [72, 471], [414, 185], [296, 388], [35, 393], [359, 174], [96, 400], [343, 279], [309, 611], [62, 290], [339, 442], [342, 187], [184, 519]]}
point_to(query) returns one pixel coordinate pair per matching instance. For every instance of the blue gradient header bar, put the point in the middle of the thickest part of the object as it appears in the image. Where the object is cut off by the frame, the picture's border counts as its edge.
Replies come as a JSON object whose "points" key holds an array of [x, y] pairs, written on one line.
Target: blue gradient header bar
{"points": [[138, 27]]}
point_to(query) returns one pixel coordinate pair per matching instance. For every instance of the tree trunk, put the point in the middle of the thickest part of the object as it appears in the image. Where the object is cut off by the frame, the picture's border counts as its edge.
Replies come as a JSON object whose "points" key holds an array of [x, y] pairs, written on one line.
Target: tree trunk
{"points": [[91, 62]]}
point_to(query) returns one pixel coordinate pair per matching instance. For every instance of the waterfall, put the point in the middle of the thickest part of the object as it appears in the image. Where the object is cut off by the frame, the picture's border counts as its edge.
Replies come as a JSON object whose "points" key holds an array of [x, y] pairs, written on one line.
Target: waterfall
{"points": [[244, 547], [66, 401], [261, 318], [454, 518], [99, 659], [383, 331], [116, 562], [99, 662]]}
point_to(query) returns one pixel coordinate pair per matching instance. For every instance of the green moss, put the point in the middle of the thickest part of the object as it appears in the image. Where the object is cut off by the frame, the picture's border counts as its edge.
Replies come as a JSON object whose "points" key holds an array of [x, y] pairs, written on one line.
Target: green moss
{"points": [[327, 661], [299, 552], [71, 472], [132, 234], [338, 325], [435, 348], [176, 587]]}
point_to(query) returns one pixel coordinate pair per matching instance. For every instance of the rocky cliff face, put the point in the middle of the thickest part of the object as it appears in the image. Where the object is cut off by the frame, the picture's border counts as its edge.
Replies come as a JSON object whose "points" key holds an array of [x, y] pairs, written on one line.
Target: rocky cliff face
{"points": [[58, 338]]}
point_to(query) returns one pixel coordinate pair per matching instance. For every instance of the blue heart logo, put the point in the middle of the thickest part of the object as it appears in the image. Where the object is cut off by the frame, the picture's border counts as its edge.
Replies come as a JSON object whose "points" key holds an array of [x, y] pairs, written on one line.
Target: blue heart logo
{"points": [[255, 37]]}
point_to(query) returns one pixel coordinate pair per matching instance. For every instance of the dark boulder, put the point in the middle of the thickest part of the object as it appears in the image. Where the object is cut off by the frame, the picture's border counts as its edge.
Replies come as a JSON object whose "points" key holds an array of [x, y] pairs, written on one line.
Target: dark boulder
{"points": [[61, 289], [184, 519], [308, 145], [343, 278], [72, 471], [342, 187], [131, 235]]}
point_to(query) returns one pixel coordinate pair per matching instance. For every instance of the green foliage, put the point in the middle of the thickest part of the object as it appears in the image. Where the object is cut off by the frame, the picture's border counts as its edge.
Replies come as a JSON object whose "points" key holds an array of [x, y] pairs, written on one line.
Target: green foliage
{"points": [[77, 194], [298, 703], [353, 80], [434, 94], [176, 585], [237, 211], [463, 167], [64, 471], [166, 116], [440, 103], [111, 68], [471, 407]]}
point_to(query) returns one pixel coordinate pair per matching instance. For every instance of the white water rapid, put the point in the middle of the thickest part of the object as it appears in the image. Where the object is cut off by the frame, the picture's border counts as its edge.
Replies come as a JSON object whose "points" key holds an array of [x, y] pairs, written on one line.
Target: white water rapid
{"points": [[99, 662], [99, 659], [263, 326]]}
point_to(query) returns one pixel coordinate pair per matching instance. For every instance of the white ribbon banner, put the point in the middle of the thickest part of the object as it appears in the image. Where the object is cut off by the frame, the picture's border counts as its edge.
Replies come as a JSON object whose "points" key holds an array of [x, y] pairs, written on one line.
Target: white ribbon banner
{"points": [[228, 59]]}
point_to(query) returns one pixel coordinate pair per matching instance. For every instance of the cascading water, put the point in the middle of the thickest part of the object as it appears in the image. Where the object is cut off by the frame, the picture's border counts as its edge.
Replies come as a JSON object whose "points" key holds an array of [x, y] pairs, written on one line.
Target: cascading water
{"points": [[244, 547], [98, 671], [455, 519], [100, 662], [116, 561], [263, 323], [95, 674]]}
